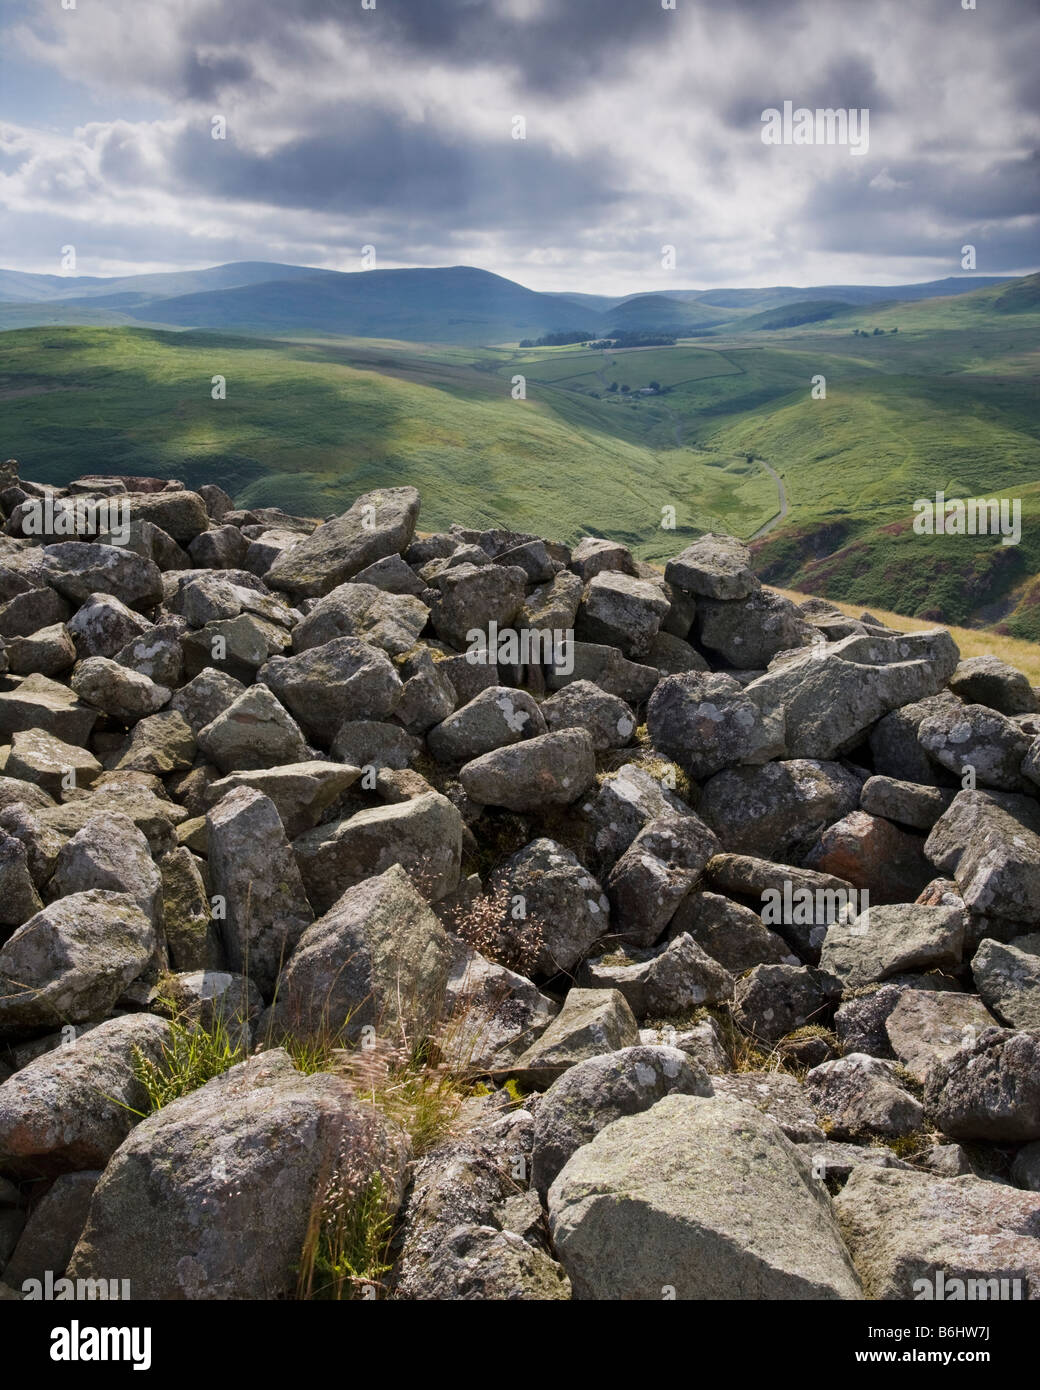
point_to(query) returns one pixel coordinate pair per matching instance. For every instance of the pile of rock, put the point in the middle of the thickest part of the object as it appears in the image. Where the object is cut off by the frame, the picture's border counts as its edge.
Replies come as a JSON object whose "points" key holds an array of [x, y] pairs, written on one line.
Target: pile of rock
{"points": [[725, 909]]}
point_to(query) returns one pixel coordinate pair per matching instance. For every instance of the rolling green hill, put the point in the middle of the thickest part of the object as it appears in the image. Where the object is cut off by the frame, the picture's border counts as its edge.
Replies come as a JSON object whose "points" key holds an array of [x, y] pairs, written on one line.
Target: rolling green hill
{"points": [[950, 401]]}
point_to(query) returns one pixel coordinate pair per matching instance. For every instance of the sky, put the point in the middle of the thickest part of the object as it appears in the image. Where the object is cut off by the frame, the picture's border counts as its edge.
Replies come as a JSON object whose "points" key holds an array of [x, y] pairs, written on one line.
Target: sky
{"points": [[395, 127]]}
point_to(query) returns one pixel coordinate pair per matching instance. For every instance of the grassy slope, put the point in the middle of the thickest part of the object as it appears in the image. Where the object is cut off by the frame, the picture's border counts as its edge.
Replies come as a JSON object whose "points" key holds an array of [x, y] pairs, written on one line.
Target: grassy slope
{"points": [[951, 401], [311, 425]]}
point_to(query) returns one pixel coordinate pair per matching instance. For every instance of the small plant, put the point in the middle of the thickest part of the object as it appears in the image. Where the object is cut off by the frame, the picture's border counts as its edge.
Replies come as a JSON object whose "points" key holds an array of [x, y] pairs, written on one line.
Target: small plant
{"points": [[190, 1057], [346, 1251], [486, 925]]}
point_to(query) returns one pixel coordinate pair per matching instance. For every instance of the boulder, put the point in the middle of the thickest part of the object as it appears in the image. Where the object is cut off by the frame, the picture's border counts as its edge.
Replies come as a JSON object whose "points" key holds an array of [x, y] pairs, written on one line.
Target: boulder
{"points": [[696, 1198], [717, 567], [72, 961], [557, 897], [72, 1107], [914, 1236], [661, 865], [550, 769], [591, 1022], [378, 524], [862, 1097], [324, 686], [495, 718], [255, 731], [424, 835], [926, 1026], [706, 722], [832, 693], [595, 1093], [227, 1182], [777, 811], [989, 1088], [1007, 977], [977, 737], [883, 941], [255, 879], [378, 958]]}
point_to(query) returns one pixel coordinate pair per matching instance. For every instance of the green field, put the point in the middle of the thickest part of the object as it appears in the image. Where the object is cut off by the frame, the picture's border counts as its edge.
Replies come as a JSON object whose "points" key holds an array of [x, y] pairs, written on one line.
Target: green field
{"points": [[951, 401]]}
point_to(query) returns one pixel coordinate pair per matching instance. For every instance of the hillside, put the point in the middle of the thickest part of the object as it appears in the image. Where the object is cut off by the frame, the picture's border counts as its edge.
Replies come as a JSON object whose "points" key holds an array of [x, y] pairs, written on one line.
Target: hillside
{"points": [[604, 440], [458, 304]]}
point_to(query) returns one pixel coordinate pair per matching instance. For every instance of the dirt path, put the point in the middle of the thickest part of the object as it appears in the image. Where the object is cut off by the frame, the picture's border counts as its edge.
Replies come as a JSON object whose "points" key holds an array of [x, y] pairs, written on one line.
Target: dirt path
{"points": [[781, 493]]}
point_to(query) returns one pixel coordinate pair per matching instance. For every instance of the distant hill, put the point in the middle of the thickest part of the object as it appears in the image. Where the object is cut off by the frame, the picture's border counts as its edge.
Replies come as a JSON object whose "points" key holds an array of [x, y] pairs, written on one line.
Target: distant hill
{"points": [[457, 304], [794, 315]]}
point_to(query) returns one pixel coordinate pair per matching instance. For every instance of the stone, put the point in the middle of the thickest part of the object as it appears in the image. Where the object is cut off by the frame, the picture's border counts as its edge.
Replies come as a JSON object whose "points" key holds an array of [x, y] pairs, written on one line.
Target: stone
{"points": [[49, 651], [109, 852], [883, 941], [595, 1093], [19, 899], [927, 1026], [701, 1196], [254, 872], [593, 555], [608, 720], [873, 855], [370, 743], [986, 680], [192, 938], [1007, 977], [618, 610], [905, 802], [777, 1095], [747, 633], [549, 769], [379, 958], [226, 1180], [55, 1224], [379, 523], [707, 722], [916, 1236], [492, 1014], [472, 597], [626, 801], [424, 835], [72, 961], [102, 625], [71, 1108], [49, 763], [255, 731], [990, 843], [894, 746], [831, 694], [45, 705], [561, 900], [78, 569], [774, 1000], [730, 933], [862, 1097], [208, 694], [496, 718], [301, 792], [778, 810], [591, 1022], [717, 567], [604, 666], [978, 737], [160, 743], [391, 622], [661, 865], [342, 680], [989, 1088], [116, 690]]}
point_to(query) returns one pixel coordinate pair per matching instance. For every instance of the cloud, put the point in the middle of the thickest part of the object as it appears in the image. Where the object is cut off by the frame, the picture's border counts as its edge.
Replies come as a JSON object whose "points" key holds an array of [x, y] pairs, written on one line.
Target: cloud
{"points": [[394, 126]]}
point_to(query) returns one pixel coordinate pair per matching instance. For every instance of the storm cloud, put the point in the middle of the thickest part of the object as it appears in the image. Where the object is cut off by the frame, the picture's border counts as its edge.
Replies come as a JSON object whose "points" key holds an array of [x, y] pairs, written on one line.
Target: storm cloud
{"points": [[397, 126]]}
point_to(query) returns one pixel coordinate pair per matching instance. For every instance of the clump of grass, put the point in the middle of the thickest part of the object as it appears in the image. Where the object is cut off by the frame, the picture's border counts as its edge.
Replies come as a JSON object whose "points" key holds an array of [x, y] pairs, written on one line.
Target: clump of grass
{"points": [[190, 1057], [346, 1250]]}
